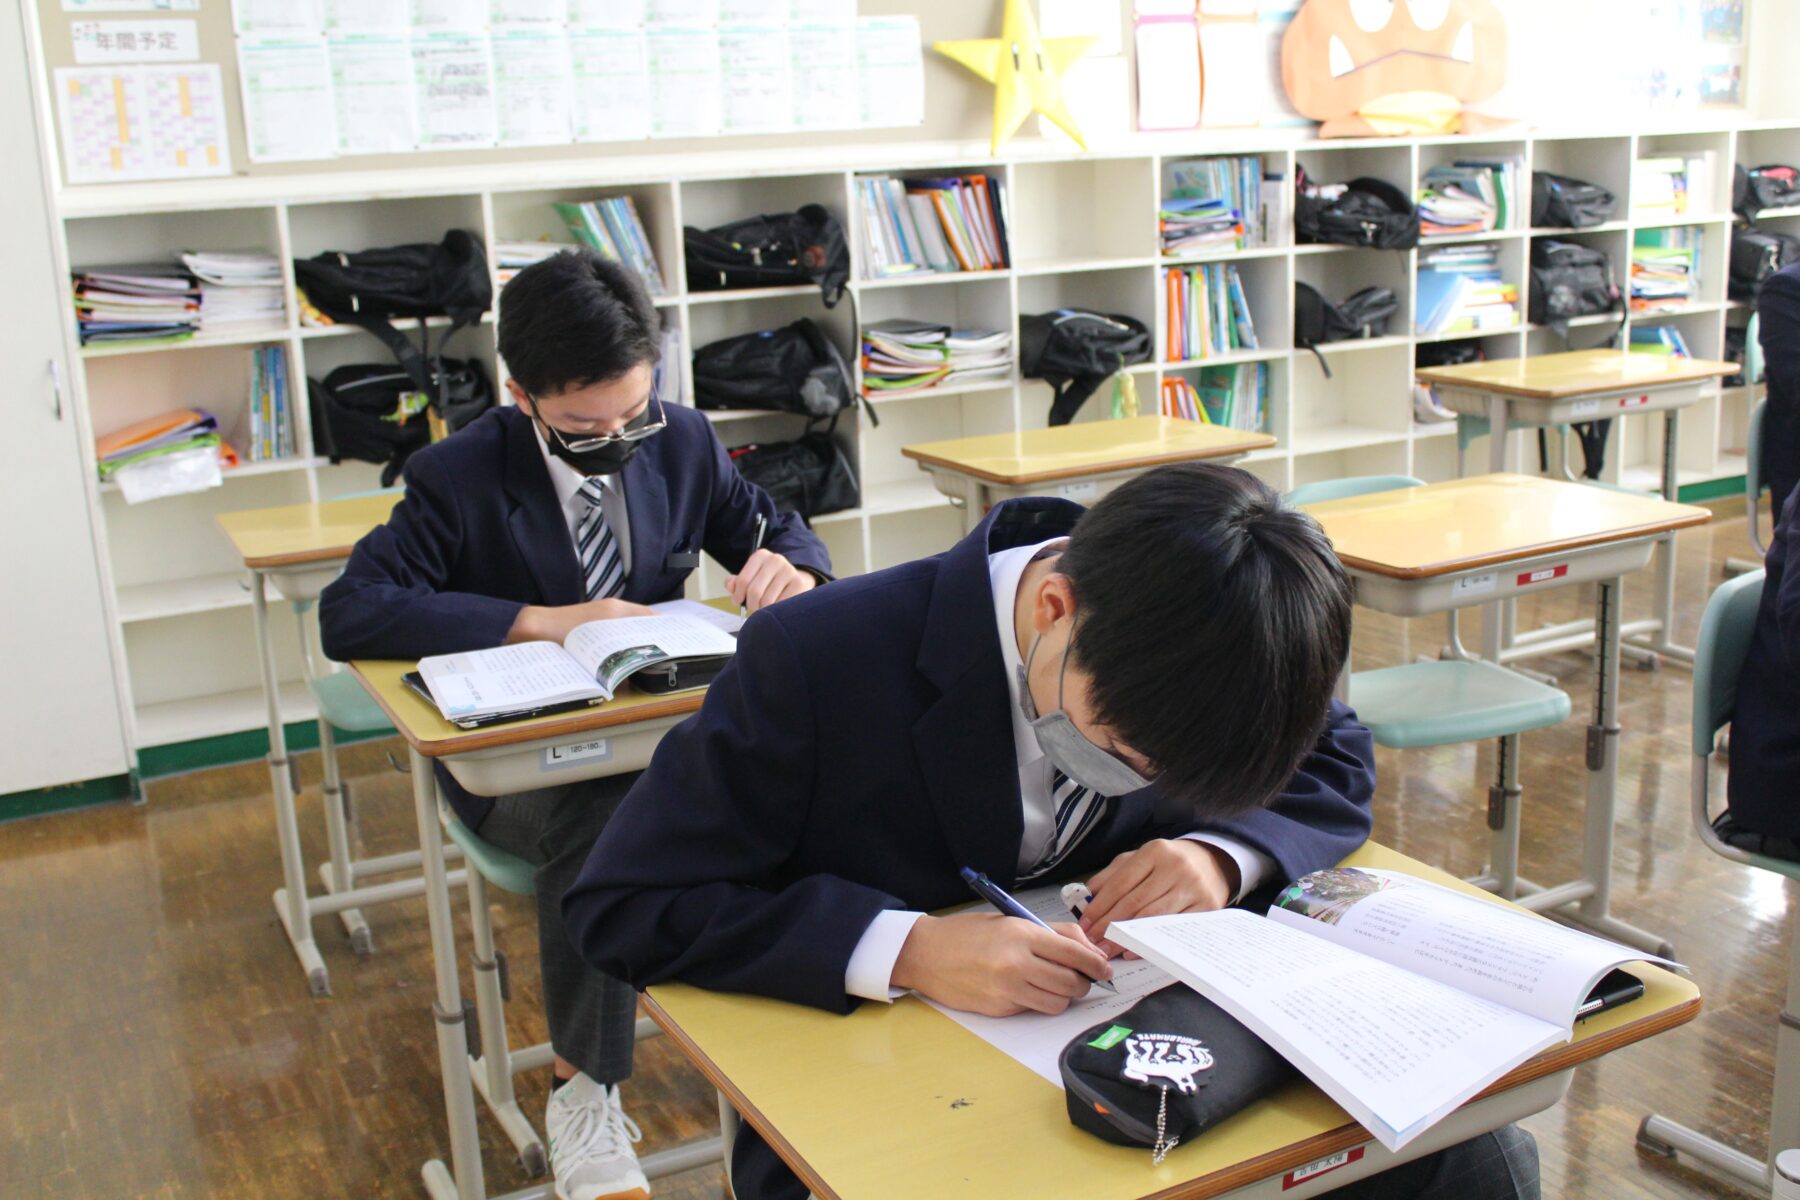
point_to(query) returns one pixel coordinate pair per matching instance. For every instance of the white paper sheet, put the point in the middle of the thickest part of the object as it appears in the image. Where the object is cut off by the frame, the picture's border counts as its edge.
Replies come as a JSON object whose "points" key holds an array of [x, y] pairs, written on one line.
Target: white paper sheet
{"points": [[693, 610], [288, 109], [135, 41], [368, 16], [372, 87], [890, 72], [277, 17], [143, 122], [1168, 75], [1231, 68], [464, 16], [531, 85], [607, 14], [821, 12], [609, 84], [130, 5], [753, 12], [753, 79], [823, 76], [1100, 19], [454, 92], [687, 13], [528, 12], [684, 81]]}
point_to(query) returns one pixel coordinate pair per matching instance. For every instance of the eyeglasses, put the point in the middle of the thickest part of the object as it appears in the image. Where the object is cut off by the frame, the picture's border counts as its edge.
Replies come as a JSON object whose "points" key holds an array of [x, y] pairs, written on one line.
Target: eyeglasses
{"points": [[633, 431]]}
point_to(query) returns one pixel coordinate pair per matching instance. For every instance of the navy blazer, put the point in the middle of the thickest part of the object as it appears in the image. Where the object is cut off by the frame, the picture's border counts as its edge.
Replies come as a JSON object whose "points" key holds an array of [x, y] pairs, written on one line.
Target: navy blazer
{"points": [[1765, 729], [856, 753], [480, 534], [1778, 321]]}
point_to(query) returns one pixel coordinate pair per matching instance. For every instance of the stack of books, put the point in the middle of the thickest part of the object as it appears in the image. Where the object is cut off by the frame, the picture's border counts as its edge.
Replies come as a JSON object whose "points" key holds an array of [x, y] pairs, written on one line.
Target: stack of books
{"points": [[1208, 313], [1671, 185], [1234, 396], [271, 406], [155, 303], [919, 226], [612, 227], [236, 289], [1460, 290], [1665, 340], [1665, 267], [901, 357], [512, 257], [1212, 203], [159, 436], [1471, 195]]}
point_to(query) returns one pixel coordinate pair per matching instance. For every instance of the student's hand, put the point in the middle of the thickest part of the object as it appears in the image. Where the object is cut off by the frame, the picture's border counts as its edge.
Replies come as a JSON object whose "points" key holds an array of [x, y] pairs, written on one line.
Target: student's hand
{"points": [[553, 623], [766, 578], [1158, 878], [983, 962]]}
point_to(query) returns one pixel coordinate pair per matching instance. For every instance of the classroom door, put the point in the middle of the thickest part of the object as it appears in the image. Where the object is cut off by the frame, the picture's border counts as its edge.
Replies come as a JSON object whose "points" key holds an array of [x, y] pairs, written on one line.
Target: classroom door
{"points": [[59, 710]]}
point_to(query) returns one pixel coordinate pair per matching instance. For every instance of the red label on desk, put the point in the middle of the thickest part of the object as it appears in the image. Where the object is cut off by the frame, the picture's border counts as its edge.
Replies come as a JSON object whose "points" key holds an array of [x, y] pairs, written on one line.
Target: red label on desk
{"points": [[1633, 401], [1543, 575], [1313, 1170]]}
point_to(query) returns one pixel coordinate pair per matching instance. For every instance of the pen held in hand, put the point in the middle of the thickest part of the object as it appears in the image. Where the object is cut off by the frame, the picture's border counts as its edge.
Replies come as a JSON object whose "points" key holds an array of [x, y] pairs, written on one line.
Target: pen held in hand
{"points": [[995, 895], [762, 531]]}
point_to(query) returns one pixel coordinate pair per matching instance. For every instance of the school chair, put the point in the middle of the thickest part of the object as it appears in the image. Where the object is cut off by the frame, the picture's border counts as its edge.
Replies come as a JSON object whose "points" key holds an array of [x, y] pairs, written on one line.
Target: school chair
{"points": [[1725, 632], [1753, 487], [1446, 701], [493, 1069]]}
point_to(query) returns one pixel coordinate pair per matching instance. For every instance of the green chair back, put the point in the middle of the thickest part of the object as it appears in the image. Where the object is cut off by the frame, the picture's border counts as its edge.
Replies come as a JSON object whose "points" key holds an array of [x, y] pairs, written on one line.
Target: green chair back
{"points": [[1342, 489], [1725, 630]]}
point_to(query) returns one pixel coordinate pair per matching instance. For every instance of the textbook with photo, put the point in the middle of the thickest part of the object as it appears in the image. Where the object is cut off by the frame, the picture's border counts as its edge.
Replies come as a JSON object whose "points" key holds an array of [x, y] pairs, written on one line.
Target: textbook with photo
{"points": [[533, 678], [1399, 998]]}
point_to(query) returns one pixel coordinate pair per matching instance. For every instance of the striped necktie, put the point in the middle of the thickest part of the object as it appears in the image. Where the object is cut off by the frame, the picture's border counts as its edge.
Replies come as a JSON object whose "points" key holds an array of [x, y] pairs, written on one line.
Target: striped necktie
{"points": [[601, 567], [1078, 810]]}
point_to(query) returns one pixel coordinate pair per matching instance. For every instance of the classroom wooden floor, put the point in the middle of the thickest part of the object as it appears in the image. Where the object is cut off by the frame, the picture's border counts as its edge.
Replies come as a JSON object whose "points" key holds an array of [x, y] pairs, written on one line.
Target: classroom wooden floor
{"points": [[157, 1039]]}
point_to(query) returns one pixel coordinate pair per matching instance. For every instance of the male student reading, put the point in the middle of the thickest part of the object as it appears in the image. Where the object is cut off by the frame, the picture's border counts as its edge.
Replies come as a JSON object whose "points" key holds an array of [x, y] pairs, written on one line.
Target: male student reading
{"points": [[589, 498], [1005, 706]]}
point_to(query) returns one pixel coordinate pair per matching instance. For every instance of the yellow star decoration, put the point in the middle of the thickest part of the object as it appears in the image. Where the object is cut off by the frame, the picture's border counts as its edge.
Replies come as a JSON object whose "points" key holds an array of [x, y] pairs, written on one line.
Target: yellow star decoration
{"points": [[1025, 69]]}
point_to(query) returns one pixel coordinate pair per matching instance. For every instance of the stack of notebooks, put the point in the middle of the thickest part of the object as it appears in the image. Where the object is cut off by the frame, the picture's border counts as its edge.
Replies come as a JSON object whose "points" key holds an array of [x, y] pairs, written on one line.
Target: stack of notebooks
{"points": [[613, 228], [1671, 185], [1220, 203], [158, 437], [155, 303], [1235, 396], [1460, 290], [1471, 195], [1207, 312], [271, 406], [919, 226], [901, 357], [1665, 267], [236, 289], [1665, 340], [512, 257]]}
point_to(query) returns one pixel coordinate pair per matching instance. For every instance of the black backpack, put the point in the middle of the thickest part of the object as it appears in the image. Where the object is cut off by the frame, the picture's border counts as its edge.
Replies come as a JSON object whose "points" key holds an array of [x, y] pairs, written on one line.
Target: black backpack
{"points": [[1756, 254], [1565, 203], [1756, 188], [1075, 352], [810, 476], [1570, 280], [374, 412], [1369, 212], [775, 250], [1362, 315], [792, 369]]}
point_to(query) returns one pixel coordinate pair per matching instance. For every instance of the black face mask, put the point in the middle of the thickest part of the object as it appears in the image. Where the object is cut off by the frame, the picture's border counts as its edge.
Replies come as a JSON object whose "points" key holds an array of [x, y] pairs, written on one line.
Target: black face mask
{"points": [[602, 460]]}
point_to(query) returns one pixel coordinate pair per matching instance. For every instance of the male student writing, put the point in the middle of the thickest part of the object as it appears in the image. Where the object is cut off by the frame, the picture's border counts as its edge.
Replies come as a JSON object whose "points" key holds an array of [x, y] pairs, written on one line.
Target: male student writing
{"points": [[589, 498], [1002, 707]]}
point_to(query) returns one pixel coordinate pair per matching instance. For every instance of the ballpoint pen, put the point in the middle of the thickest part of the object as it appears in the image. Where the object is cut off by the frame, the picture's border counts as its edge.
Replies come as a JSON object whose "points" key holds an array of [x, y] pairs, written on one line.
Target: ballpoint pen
{"points": [[762, 531], [995, 895]]}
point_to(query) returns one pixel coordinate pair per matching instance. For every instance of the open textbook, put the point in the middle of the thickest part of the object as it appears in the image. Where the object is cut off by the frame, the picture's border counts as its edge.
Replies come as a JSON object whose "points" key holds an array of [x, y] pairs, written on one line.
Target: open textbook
{"points": [[1400, 999], [532, 678]]}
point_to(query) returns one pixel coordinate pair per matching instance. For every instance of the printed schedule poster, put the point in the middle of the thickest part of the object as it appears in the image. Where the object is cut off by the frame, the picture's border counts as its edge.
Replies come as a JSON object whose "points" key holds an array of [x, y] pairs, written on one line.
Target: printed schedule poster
{"points": [[611, 85], [106, 6], [143, 122], [289, 113], [531, 85], [372, 86], [453, 79], [684, 82]]}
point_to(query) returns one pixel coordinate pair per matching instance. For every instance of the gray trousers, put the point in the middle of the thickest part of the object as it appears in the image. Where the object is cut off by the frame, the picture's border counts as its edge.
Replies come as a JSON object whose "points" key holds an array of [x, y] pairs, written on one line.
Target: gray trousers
{"points": [[592, 1016]]}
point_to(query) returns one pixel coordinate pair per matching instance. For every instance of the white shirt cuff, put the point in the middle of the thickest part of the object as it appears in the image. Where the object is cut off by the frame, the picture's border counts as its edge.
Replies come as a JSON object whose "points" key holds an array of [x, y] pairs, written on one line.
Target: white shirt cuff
{"points": [[872, 962], [1253, 865]]}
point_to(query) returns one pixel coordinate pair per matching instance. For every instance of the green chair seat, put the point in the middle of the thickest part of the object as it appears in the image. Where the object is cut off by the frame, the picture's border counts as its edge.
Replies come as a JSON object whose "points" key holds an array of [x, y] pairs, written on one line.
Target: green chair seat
{"points": [[1441, 703], [507, 872], [347, 705]]}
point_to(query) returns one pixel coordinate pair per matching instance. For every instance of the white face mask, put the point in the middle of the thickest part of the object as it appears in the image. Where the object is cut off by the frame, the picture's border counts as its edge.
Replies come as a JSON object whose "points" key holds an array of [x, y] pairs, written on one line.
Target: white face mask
{"points": [[1067, 748]]}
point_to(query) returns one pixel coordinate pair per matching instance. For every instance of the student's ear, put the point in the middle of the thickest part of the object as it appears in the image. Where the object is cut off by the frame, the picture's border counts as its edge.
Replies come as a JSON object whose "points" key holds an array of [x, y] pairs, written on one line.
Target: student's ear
{"points": [[1055, 601], [519, 396]]}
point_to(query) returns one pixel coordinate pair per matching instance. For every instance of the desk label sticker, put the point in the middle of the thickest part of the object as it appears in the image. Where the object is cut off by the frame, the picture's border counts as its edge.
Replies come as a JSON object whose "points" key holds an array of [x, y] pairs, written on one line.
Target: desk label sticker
{"points": [[1475, 585], [1634, 401], [557, 758], [1313, 1170], [1079, 491], [1543, 575], [1584, 408]]}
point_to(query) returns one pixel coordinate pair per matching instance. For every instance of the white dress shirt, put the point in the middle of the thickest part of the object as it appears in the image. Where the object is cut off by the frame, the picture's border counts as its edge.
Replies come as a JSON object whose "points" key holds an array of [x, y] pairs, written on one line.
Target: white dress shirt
{"points": [[567, 481], [871, 964]]}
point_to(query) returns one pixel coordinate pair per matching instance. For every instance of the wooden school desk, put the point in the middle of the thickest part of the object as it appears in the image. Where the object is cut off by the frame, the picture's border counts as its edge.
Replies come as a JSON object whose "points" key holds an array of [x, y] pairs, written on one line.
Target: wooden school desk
{"points": [[301, 548], [1082, 461], [898, 1100], [1584, 385], [608, 739], [1444, 546]]}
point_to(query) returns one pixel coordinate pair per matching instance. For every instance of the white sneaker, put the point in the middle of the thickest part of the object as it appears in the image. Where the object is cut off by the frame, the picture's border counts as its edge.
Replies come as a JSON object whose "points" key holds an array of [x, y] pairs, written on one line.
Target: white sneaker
{"points": [[590, 1144]]}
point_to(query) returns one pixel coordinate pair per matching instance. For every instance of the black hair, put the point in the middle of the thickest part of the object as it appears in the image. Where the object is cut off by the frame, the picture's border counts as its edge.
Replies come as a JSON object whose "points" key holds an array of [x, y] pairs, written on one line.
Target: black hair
{"points": [[1212, 622], [576, 319]]}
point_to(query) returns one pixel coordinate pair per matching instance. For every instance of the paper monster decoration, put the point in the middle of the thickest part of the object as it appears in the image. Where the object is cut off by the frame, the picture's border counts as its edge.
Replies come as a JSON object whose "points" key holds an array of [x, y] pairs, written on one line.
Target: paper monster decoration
{"points": [[1025, 69], [1394, 67]]}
